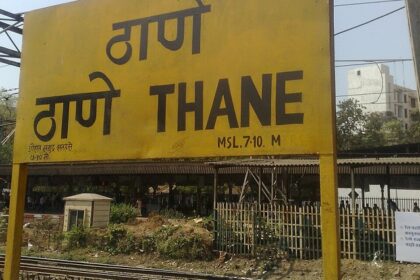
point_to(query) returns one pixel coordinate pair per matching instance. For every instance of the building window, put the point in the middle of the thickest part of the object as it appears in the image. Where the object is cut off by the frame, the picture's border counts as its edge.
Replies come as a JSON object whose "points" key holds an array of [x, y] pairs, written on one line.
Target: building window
{"points": [[76, 218], [413, 103], [405, 113], [405, 98], [406, 126], [400, 97], [359, 73], [400, 112]]}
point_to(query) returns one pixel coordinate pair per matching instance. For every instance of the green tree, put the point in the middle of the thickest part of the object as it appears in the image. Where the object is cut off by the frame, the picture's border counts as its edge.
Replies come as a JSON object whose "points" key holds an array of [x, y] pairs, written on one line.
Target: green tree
{"points": [[393, 132], [7, 120], [373, 137], [413, 133], [350, 123]]}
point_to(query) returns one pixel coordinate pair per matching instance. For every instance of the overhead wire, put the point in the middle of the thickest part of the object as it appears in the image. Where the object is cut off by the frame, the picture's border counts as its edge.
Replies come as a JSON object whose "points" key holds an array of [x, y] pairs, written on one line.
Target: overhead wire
{"points": [[372, 93], [367, 2], [375, 61], [369, 21]]}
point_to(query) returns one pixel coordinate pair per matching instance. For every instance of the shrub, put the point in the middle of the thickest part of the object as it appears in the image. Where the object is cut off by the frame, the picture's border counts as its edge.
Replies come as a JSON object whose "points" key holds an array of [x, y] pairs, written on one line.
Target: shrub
{"points": [[76, 238], [3, 227], [44, 231], [97, 238], [165, 232], [183, 246], [118, 241], [208, 222], [148, 244], [122, 213], [173, 243]]}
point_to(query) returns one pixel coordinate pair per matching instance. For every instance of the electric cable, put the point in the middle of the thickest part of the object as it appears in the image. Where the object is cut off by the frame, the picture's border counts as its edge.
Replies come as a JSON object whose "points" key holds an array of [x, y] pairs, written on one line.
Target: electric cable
{"points": [[365, 3], [369, 21]]}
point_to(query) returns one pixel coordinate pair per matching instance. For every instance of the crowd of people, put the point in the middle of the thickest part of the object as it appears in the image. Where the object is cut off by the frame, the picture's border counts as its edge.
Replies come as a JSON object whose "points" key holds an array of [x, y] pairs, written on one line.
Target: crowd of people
{"points": [[375, 209]]}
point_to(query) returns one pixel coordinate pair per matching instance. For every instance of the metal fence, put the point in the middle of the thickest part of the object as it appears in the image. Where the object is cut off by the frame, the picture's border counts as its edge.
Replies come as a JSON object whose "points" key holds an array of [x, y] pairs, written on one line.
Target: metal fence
{"points": [[403, 204], [249, 229]]}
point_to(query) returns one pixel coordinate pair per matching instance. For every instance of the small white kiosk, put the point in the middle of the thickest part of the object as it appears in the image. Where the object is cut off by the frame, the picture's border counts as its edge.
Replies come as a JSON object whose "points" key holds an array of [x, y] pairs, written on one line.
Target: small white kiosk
{"points": [[87, 209]]}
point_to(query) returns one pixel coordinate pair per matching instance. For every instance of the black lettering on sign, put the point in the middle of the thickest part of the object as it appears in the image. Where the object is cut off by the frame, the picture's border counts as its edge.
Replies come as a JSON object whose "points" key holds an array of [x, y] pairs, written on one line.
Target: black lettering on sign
{"points": [[196, 106], [222, 103], [79, 98], [161, 92], [222, 93], [172, 45], [250, 97], [275, 140], [282, 98]]}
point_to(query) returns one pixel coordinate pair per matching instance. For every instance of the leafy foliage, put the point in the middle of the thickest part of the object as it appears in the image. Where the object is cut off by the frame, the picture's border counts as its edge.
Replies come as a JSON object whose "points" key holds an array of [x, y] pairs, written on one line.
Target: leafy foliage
{"points": [[114, 240], [76, 237], [350, 124], [393, 132], [4, 221], [122, 213], [413, 134], [148, 243], [46, 234], [180, 246], [373, 137], [357, 129], [119, 241], [7, 116]]}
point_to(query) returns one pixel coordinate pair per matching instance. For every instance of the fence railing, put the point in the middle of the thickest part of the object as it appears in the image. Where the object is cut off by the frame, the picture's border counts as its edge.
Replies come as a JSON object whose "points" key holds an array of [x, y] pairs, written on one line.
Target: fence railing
{"points": [[249, 229], [403, 204]]}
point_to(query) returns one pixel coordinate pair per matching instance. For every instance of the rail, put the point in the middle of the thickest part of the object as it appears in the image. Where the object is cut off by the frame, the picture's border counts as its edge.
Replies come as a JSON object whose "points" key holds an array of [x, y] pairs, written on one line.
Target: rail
{"points": [[31, 266]]}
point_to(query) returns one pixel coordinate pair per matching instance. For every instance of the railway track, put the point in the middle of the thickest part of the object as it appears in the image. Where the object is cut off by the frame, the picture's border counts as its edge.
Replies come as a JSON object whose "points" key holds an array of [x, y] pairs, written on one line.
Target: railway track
{"points": [[63, 269]]}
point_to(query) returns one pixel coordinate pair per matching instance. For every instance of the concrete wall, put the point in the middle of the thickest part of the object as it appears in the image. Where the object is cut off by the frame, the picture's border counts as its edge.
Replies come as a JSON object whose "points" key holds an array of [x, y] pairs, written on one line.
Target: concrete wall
{"points": [[101, 211]]}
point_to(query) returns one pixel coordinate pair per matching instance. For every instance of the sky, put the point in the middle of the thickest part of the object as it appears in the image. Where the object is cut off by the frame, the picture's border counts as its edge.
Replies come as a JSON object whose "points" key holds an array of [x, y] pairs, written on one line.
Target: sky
{"points": [[387, 38]]}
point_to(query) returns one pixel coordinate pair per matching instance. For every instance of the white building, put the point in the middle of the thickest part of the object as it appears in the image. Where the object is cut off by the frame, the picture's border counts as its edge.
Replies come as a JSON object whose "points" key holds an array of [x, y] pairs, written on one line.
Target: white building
{"points": [[373, 86]]}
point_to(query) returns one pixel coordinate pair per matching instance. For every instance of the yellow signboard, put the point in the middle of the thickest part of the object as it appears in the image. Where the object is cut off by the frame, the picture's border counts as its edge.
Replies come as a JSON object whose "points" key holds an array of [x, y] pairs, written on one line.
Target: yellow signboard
{"points": [[143, 79]]}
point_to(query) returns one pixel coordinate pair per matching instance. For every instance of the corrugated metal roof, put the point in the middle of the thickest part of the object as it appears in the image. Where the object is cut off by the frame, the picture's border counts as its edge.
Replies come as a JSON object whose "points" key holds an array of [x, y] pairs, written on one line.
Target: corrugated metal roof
{"points": [[265, 162], [315, 162], [379, 161], [406, 165]]}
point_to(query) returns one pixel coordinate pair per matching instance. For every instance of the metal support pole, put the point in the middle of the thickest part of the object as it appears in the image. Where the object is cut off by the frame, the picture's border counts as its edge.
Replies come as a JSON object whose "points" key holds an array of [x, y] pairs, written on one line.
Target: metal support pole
{"points": [[353, 190], [388, 189], [171, 198], [363, 191], [273, 182], [382, 197], [353, 210], [14, 230], [329, 217], [259, 186], [200, 187], [215, 182]]}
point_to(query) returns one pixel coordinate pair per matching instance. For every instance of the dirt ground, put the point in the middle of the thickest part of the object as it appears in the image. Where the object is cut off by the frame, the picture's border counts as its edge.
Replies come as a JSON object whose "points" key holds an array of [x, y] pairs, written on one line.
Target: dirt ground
{"points": [[224, 264]]}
